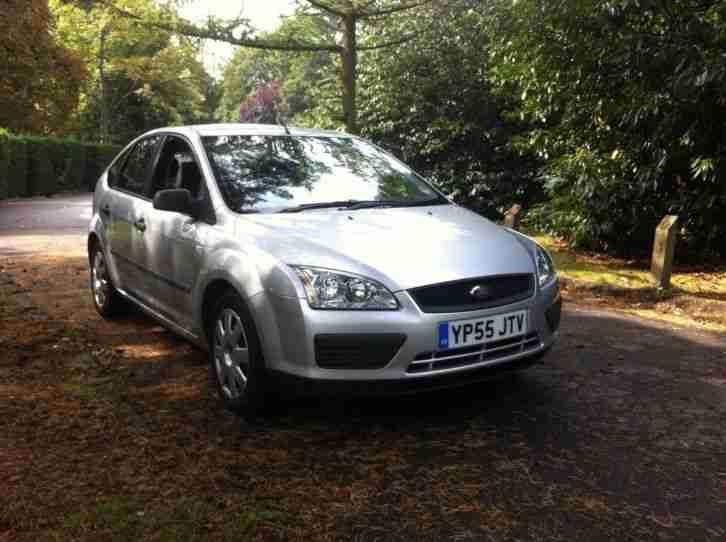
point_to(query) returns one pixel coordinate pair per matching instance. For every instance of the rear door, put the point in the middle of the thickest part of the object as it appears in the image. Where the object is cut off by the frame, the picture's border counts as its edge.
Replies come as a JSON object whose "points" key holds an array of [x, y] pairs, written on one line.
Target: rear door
{"points": [[127, 207]]}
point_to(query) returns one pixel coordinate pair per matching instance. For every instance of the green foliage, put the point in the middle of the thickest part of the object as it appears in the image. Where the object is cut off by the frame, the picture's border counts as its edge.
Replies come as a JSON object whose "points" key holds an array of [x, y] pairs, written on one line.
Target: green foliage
{"points": [[137, 78], [98, 157], [308, 79], [17, 159], [430, 101], [40, 77], [42, 178], [34, 166], [4, 163], [628, 99], [74, 166]]}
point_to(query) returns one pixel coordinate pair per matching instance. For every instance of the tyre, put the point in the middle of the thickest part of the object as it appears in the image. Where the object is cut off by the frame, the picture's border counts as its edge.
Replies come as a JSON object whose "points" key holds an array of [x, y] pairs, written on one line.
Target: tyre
{"points": [[237, 368], [106, 299]]}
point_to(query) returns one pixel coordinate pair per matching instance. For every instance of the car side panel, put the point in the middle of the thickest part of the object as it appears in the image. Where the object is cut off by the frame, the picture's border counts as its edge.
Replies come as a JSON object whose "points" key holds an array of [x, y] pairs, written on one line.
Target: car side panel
{"points": [[175, 251], [226, 263], [126, 242]]}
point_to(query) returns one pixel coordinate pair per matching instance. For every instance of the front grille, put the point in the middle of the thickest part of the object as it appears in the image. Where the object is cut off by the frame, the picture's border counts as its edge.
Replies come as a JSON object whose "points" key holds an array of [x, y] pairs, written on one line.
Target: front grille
{"points": [[471, 355], [456, 296], [356, 350]]}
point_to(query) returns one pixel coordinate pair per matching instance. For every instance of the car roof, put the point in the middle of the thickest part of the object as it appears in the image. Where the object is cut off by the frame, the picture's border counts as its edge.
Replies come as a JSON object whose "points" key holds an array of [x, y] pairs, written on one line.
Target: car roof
{"points": [[246, 129]]}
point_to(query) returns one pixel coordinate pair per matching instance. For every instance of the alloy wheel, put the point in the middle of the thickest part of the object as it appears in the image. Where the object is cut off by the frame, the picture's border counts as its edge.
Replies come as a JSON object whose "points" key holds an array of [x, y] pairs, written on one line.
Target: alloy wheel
{"points": [[100, 280], [231, 354]]}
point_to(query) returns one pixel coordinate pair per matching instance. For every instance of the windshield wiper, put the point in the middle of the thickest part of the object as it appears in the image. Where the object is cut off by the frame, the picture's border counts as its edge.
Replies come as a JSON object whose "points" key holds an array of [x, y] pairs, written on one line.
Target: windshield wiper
{"points": [[353, 205], [321, 205], [394, 203]]}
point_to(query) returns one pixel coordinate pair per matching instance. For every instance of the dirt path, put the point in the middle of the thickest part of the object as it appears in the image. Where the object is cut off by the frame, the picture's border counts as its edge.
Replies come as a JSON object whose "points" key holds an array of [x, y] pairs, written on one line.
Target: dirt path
{"points": [[109, 431]]}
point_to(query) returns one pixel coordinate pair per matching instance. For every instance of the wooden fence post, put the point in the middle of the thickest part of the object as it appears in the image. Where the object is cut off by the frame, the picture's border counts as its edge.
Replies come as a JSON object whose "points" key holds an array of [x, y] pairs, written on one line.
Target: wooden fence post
{"points": [[513, 216], [664, 246]]}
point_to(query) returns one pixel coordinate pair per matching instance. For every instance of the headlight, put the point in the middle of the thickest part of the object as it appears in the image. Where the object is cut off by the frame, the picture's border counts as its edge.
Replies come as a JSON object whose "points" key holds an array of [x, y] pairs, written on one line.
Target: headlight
{"points": [[327, 289], [545, 268]]}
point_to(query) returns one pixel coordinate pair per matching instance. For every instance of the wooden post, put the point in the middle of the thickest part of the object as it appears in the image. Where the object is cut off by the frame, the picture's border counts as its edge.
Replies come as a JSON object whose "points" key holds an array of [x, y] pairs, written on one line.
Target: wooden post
{"points": [[664, 246], [513, 216]]}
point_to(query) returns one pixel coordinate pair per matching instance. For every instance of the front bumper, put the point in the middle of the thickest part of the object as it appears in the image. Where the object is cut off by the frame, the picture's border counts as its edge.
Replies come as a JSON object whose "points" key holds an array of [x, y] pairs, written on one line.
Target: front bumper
{"points": [[289, 328], [298, 385]]}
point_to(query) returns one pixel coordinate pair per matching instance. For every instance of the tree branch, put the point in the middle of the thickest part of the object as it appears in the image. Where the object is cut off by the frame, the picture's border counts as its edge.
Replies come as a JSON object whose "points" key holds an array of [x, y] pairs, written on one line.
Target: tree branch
{"points": [[399, 41], [326, 7], [391, 10], [224, 34]]}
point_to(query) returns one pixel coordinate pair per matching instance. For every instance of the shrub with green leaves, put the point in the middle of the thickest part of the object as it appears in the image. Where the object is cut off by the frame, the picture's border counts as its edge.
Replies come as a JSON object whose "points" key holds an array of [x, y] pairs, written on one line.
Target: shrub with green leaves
{"points": [[34, 166], [75, 166], [42, 176], [98, 158], [17, 168], [4, 136], [628, 102]]}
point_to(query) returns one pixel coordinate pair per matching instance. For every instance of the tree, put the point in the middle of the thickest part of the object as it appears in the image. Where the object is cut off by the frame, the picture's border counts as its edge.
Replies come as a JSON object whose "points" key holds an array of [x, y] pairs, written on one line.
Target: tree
{"points": [[263, 106], [432, 103], [307, 80], [40, 78], [628, 99], [348, 15], [137, 80]]}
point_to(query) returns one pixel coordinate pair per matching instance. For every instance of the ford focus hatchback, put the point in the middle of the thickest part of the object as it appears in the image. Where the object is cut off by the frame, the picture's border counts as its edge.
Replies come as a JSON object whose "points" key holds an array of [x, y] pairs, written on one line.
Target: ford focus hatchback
{"points": [[313, 257]]}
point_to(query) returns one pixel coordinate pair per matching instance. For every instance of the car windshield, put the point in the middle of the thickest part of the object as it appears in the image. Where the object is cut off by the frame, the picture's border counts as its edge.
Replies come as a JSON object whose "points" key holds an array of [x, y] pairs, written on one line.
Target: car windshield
{"points": [[268, 174]]}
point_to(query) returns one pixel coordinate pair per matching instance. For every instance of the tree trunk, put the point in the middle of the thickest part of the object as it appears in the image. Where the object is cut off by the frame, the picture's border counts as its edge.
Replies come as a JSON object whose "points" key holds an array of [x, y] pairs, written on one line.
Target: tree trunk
{"points": [[349, 63], [104, 113]]}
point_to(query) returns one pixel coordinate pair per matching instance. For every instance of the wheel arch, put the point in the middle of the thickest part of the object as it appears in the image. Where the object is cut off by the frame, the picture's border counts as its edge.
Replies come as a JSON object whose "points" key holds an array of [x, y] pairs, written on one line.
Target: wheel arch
{"points": [[212, 291], [92, 242]]}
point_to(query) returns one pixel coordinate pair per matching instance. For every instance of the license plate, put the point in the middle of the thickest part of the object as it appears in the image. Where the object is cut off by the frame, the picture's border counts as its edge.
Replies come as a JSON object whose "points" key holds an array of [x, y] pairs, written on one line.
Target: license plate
{"points": [[482, 330]]}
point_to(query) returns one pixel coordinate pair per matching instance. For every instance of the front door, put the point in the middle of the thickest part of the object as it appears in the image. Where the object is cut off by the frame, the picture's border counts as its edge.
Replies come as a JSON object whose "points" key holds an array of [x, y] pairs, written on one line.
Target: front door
{"points": [[174, 242]]}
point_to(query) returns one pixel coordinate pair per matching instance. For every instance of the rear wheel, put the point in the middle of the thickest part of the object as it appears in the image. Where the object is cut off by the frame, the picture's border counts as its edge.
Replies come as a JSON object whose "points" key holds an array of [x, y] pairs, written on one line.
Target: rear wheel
{"points": [[106, 299], [236, 364]]}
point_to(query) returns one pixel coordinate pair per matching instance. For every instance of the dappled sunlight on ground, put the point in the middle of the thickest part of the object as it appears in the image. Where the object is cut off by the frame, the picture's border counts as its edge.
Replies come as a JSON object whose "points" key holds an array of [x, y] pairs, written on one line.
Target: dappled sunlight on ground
{"points": [[111, 428], [697, 296]]}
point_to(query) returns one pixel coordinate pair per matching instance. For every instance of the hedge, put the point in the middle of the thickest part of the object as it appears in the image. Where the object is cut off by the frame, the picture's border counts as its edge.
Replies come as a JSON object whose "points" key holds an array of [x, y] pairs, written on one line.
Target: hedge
{"points": [[3, 165], [41, 166]]}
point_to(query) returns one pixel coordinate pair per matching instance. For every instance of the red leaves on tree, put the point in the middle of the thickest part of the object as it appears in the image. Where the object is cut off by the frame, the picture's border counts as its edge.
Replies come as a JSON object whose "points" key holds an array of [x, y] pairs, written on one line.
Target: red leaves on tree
{"points": [[262, 106]]}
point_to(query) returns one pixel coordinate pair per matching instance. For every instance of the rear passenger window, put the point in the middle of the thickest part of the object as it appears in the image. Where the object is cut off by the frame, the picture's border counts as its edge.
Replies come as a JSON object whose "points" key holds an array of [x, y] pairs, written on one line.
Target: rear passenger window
{"points": [[133, 172]]}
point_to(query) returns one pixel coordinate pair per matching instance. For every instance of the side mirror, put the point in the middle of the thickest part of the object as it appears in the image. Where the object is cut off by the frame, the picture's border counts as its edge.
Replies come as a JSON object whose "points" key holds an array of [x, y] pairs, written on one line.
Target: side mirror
{"points": [[175, 200]]}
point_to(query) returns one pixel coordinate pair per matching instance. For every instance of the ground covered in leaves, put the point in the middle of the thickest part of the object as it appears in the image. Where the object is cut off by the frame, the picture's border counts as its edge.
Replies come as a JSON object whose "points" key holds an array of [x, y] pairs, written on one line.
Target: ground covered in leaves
{"points": [[697, 295], [109, 431]]}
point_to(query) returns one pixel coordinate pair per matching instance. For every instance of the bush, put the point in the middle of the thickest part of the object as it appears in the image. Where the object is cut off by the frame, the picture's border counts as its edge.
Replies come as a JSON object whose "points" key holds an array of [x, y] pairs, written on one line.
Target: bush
{"points": [[98, 157], [3, 164], [31, 166], [17, 159], [75, 167], [42, 177]]}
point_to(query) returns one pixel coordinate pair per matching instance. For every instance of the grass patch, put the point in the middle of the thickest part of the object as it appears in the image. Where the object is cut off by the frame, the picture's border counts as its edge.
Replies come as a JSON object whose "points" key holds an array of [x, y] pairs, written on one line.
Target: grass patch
{"points": [[630, 274], [697, 295]]}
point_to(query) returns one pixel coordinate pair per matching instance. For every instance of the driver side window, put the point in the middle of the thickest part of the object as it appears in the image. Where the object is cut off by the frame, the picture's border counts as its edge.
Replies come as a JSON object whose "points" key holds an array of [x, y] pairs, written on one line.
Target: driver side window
{"points": [[177, 168]]}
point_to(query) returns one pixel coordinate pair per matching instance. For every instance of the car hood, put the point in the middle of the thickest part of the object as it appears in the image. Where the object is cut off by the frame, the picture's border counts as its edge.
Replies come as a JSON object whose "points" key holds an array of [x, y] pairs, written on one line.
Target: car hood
{"points": [[401, 247]]}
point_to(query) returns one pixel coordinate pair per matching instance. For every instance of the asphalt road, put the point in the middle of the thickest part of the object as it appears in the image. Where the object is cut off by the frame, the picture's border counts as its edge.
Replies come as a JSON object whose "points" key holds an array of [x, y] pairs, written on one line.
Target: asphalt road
{"points": [[56, 215]]}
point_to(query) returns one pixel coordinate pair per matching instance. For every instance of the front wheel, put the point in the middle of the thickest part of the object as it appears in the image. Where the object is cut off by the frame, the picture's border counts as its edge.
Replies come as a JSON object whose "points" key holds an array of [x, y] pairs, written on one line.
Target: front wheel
{"points": [[236, 364], [106, 299]]}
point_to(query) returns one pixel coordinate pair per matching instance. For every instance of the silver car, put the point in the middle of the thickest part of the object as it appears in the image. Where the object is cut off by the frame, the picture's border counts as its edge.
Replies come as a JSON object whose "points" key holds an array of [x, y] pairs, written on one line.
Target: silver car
{"points": [[314, 258]]}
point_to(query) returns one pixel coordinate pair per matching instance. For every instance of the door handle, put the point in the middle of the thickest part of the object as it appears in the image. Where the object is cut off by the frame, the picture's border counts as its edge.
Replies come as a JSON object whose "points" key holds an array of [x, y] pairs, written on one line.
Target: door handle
{"points": [[140, 224], [106, 210]]}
